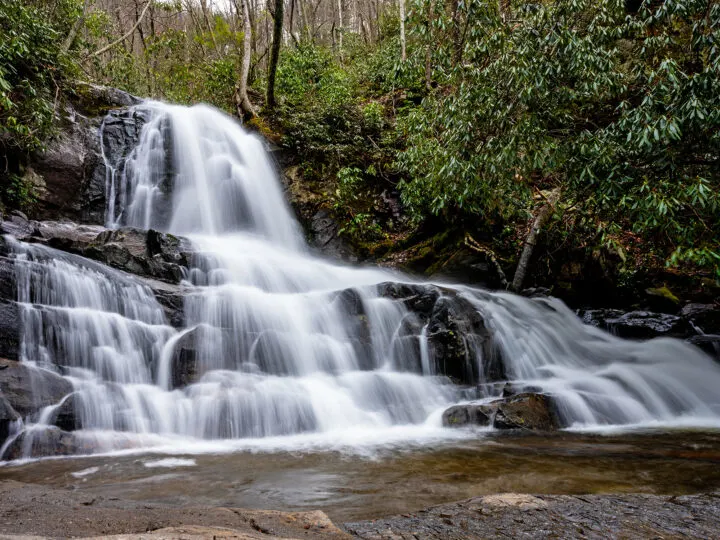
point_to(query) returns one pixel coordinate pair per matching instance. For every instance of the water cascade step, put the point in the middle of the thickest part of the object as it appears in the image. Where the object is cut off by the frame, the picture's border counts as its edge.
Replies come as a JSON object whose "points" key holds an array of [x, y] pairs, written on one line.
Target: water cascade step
{"points": [[282, 346]]}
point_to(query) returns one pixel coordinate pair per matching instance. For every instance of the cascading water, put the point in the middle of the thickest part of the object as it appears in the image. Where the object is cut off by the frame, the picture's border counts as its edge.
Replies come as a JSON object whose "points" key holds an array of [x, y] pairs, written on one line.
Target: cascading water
{"points": [[275, 349]]}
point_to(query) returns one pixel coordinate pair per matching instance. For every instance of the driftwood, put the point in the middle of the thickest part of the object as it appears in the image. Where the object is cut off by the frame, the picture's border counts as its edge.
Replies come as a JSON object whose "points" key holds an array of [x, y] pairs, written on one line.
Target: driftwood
{"points": [[540, 219]]}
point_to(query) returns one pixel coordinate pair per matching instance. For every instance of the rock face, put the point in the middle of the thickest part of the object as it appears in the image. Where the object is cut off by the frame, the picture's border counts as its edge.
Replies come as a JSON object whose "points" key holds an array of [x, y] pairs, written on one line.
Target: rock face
{"points": [[528, 411], [70, 175], [149, 254], [455, 331], [28, 389]]}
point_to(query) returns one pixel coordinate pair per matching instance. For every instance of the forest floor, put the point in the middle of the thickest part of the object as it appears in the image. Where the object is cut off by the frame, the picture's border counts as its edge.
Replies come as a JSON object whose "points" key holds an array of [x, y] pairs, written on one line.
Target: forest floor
{"points": [[32, 511]]}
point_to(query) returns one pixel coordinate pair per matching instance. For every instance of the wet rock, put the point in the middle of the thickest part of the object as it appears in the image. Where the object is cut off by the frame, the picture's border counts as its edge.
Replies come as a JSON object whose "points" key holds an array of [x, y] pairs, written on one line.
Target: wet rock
{"points": [[29, 389], [638, 324], [470, 414], [710, 343], [8, 415], [65, 416], [705, 318], [44, 442], [144, 253], [9, 329], [149, 253], [185, 368], [456, 331], [69, 176], [528, 411], [324, 233]]}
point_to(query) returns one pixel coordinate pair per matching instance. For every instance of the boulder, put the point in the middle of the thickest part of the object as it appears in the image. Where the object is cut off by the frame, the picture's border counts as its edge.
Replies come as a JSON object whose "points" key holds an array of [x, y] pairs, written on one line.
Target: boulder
{"points": [[29, 389], [710, 343], [69, 176], [65, 416], [529, 411], [324, 234], [44, 442], [149, 253], [145, 253], [638, 324], [455, 331], [705, 318], [469, 414], [8, 415], [10, 337]]}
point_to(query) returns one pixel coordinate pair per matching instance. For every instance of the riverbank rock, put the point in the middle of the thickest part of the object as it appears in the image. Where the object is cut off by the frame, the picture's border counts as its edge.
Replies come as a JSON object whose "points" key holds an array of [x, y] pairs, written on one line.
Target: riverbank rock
{"points": [[529, 411], [519, 515]]}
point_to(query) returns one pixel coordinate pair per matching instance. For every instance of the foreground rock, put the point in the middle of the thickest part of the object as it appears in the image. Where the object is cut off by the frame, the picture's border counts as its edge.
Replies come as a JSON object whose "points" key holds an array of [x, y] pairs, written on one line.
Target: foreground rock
{"points": [[528, 411], [35, 510], [513, 515]]}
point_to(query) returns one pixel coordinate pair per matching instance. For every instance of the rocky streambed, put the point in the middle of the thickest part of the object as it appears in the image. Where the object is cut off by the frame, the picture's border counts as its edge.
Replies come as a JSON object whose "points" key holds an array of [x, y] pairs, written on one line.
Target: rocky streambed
{"points": [[566, 485]]}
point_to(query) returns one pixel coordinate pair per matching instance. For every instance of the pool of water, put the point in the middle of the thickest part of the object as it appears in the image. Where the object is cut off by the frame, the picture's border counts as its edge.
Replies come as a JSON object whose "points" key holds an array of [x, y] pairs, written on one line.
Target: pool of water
{"points": [[393, 480]]}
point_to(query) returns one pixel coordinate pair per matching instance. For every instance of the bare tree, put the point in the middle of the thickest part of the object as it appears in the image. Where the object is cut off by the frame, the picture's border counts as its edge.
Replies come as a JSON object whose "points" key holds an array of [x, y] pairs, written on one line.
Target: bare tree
{"points": [[275, 51], [245, 109], [403, 52]]}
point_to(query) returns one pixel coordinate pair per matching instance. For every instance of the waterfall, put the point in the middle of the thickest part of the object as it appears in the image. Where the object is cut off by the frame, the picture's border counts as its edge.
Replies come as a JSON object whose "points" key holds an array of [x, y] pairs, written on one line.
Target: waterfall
{"points": [[285, 343]]}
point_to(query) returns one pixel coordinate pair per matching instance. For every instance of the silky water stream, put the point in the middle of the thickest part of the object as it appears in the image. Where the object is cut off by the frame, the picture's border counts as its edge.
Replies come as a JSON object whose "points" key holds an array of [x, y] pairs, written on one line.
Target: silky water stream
{"points": [[290, 381]]}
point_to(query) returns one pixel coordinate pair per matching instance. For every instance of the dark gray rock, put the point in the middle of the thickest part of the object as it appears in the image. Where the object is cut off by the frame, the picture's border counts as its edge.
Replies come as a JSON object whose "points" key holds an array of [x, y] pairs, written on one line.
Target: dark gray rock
{"points": [[456, 331], [65, 416], [144, 253], [324, 234], [527, 411], [185, 368], [710, 343], [638, 324], [70, 175], [704, 318], [8, 415], [10, 337], [44, 443], [29, 389], [560, 517]]}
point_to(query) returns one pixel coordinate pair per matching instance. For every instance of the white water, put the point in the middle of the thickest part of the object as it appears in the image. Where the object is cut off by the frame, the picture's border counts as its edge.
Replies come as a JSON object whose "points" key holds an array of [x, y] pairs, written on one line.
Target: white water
{"points": [[282, 362]]}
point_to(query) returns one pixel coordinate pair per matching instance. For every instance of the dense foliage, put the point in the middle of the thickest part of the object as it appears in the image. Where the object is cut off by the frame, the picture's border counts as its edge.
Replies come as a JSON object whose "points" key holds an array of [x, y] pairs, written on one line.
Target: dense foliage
{"points": [[619, 111], [613, 104], [34, 65]]}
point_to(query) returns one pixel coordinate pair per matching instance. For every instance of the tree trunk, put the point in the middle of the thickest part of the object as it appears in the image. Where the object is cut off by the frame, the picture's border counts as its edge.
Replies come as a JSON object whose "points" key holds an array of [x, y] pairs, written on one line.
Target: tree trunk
{"points": [[430, 44], [340, 28], [77, 25], [245, 109], [540, 219], [403, 53], [275, 51]]}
